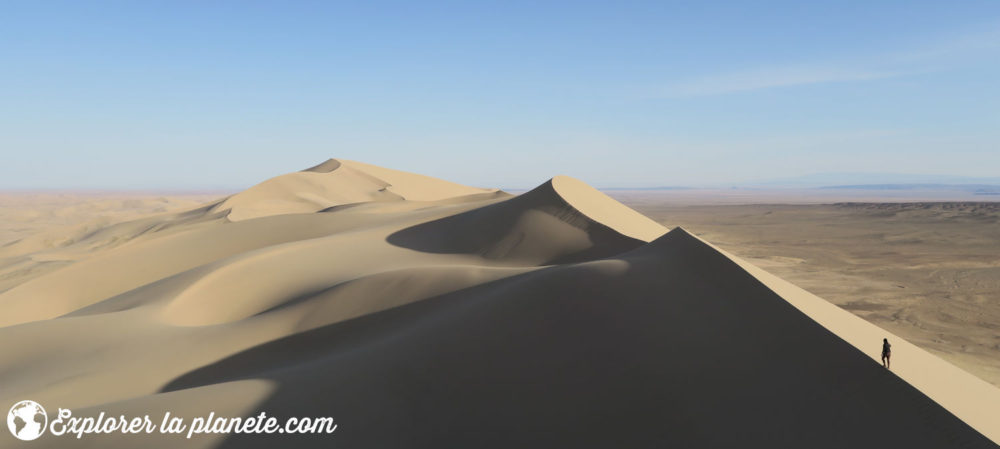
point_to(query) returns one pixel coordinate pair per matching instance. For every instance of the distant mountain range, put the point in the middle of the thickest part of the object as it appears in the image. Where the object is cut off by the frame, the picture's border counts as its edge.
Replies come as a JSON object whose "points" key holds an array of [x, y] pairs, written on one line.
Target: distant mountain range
{"points": [[977, 189], [650, 188], [874, 181], [851, 181]]}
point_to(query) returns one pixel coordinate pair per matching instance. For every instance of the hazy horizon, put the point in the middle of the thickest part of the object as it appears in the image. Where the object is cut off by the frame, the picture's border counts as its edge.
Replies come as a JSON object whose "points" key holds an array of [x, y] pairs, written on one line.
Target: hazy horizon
{"points": [[812, 181], [809, 181]]}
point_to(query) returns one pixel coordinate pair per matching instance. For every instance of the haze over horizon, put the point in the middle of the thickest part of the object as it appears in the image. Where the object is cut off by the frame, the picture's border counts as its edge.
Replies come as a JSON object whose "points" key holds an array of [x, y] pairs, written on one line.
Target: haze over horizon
{"points": [[796, 183], [198, 96]]}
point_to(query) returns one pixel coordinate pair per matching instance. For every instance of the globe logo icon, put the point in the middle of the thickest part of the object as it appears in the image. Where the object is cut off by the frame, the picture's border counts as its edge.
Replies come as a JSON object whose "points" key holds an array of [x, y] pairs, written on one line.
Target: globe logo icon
{"points": [[27, 420]]}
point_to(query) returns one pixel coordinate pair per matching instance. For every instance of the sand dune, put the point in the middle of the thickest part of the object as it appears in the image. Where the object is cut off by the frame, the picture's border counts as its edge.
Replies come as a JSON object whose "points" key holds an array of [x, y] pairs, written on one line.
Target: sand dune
{"points": [[335, 183], [422, 313]]}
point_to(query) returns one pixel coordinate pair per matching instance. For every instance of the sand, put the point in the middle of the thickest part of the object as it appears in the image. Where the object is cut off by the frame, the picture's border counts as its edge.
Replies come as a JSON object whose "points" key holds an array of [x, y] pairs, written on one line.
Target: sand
{"points": [[422, 313]]}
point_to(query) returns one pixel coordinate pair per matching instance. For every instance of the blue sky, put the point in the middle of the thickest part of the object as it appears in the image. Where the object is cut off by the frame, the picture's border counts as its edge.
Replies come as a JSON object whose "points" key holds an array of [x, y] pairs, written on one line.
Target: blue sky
{"points": [[189, 95]]}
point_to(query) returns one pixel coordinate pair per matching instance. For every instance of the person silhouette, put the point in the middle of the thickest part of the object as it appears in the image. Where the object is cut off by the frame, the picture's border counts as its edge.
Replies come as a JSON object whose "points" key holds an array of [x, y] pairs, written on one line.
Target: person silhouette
{"points": [[886, 352]]}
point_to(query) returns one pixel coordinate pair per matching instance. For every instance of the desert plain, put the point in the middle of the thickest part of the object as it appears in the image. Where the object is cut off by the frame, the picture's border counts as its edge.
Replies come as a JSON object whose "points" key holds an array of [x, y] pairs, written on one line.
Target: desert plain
{"points": [[929, 271]]}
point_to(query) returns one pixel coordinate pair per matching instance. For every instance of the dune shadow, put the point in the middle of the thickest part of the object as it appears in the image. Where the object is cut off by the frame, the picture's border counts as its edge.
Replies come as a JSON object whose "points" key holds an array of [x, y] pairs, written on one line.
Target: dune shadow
{"points": [[333, 339], [665, 346], [537, 228]]}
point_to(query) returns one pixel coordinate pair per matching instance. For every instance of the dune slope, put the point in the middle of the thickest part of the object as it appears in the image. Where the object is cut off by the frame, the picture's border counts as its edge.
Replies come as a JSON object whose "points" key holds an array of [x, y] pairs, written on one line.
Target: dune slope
{"points": [[643, 350]]}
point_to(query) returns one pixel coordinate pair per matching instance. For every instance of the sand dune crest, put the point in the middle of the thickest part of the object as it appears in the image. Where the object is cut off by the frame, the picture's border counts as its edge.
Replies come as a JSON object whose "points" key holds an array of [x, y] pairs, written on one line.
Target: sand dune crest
{"points": [[562, 220], [337, 182]]}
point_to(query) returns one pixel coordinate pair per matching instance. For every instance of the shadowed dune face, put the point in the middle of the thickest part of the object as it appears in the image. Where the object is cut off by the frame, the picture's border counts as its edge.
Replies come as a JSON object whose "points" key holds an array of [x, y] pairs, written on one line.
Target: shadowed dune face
{"points": [[557, 318], [563, 358]]}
